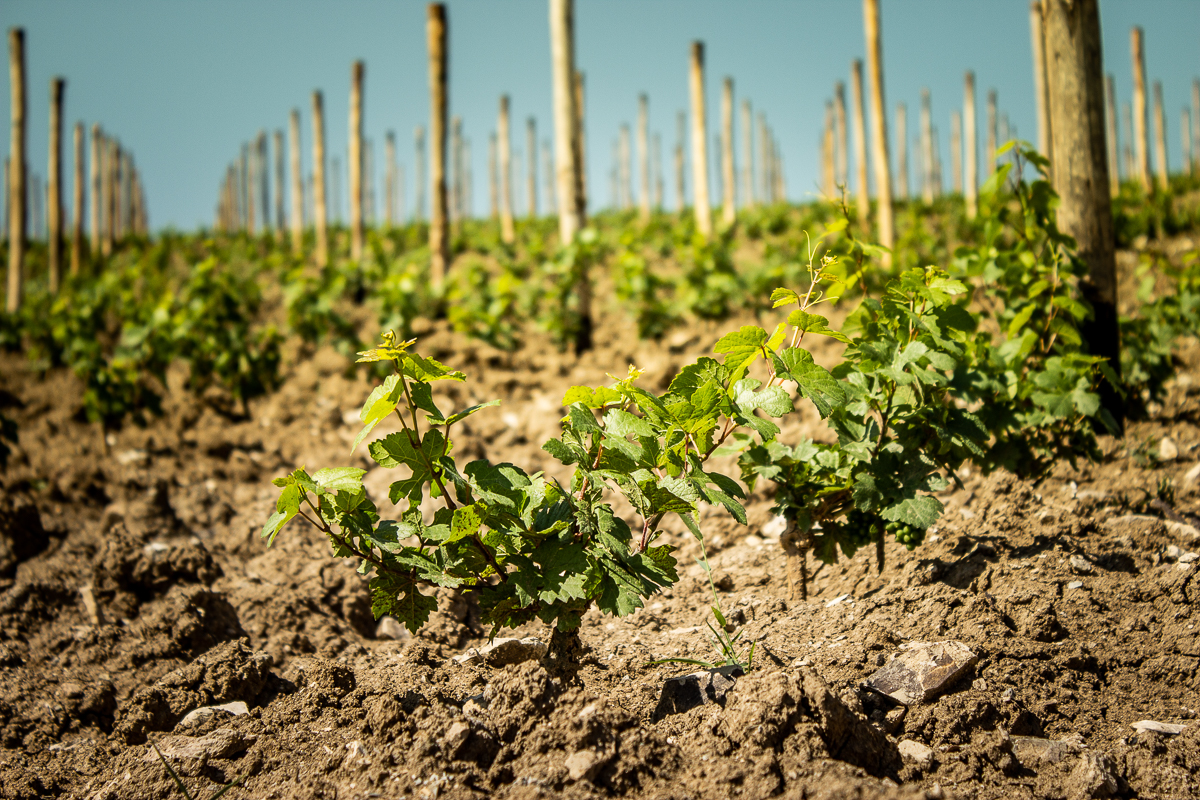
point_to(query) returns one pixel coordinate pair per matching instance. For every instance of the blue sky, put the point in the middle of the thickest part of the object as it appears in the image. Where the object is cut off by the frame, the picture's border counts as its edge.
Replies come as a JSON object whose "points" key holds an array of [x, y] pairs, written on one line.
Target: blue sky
{"points": [[183, 84]]}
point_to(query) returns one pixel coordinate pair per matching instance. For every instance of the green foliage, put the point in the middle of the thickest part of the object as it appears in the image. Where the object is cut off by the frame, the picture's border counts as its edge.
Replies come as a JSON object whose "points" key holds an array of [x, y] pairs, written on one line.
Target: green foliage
{"points": [[642, 290], [483, 306]]}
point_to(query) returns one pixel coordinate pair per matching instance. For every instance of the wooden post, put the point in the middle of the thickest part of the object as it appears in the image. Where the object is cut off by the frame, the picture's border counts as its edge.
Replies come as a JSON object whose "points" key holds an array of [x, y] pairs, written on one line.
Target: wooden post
{"points": [[113, 163], [937, 162], [764, 160], [841, 144], [78, 202], [548, 178], [927, 147], [728, 170], [1195, 165], [17, 192], [320, 199], [1160, 139], [680, 194], [1141, 144], [355, 161], [439, 238], [456, 166], [990, 151], [1111, 138], [532, 154], [956, 148], [861, 192], [748, 198], [251, 156], [828, 157], [297, 221], [280, 218], [580, 126], [1074, 67], [700, 199], [879, 137], [264, 181], [508, 233], [1131, 171], [623, 177], [901, 151], [1041, 95], [971, 172], [96, 219], [1185, 139], [389, 179], [466, 204], [493, 179], [569, 150], [54, 177], [643, 146]]}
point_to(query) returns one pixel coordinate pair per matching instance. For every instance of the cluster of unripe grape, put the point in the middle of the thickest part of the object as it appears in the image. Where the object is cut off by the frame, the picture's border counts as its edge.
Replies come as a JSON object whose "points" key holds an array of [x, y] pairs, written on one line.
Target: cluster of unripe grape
{"points": [[862, 528]]}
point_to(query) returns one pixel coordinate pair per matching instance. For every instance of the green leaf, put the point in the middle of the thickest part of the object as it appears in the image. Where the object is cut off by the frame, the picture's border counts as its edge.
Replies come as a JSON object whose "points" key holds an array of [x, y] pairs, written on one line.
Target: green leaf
{"points": [[741, 347], [783, 297], [465, 523], [814, 381], [592, 398], [339, 479], [622, 423], [382, 401], [921, 511], [815, 323]]}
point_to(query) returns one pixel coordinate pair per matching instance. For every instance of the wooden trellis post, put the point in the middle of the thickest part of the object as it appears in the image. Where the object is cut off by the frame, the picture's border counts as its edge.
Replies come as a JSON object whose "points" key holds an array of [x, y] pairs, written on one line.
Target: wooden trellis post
{"points": [[531, 152], [297, 182], [901, 151], [355, 166], [828, 157], [879, 137], [580, 140], [658, 176], [992, 121], [623, 157], [508, 232], [1160, 138], [956, 165], [97, 205], [439, 238], [1074, 71], [1141, 144], [841, 144], [280, 219], [971, 153], [1041, 95], [728, 170], [320, 204], [861, 191], [17, 192], [748, 198], [1111, 138], [927, 147], [78, 204], [54, 211], [700, 199], [643, 147]]}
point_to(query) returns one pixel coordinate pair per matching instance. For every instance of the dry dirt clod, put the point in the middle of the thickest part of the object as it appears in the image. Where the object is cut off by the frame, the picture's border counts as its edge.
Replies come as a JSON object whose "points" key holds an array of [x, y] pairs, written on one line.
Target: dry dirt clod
{"points": [[390, 628], [1034, 752], [1165, 728], [923, 670], [685, 692], [915, 752], [503, 652], [1167, 449], [194, 752], [583, 765], [203, 714], [1094, 776], [1081, 565]]}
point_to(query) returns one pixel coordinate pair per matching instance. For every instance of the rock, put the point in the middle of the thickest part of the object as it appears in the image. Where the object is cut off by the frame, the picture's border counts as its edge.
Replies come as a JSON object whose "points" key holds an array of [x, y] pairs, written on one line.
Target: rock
{"points": [[923, 670], [456, 736], [1140, 524], [1172, 552], [390, 628], [132, 458], [1008, 695], [1165, 728], [1183, 530], [1189, 558], [1192, 476], [198, 715], [1080, 565], [1033, 751], [583, 765], [192, 753], [775, 528], [90, 606], [1075, 585], [895, 718], [915, 752], [502, 652], [1167, 449], [685, 692], [357, 755], [979, 685], [1094, 776]]}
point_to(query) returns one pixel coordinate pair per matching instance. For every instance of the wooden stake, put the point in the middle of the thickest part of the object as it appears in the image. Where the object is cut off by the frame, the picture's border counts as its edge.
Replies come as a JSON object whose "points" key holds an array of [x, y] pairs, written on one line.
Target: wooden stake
{"points": [[1141, 144], [623, 177], [567, 147], [990, 151], [1131, 170], [17, 192], [355, 161], [643, 147], [971, 171], [439, 239], [956, 149], [658, 177], [549, 178], [1041, 94], [456, 169], [728, 170], [1185, 139], [297, 182], [861, 192], [280, 217], [97, 206], [1111, 138], [879, 137], [493, 179], [828, 157], [54, 177], [1195, 165], [680, 194], [748, 198], [927, 147], [1073, 56], [841, 144], [508, 233], [532, 155], [580, 126], [252, 170], [901, 151], [78, 198], [320, 204], [111, 209], [264, 181], [389, 178], [700, 204], [1160, 139]]}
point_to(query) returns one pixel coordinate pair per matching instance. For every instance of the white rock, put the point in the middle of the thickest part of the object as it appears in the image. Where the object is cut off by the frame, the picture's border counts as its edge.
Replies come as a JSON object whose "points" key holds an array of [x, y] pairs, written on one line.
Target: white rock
{"points": [[1075, 585], [1188, 558], [132, 457], [1183, 530], [1166, 728], [1172, 552], [923, 670], [1192, 475], [197, 715], [390, 628], [915, 752], [583, 764], [775, 528], [1081, 565], [1167, 449]]}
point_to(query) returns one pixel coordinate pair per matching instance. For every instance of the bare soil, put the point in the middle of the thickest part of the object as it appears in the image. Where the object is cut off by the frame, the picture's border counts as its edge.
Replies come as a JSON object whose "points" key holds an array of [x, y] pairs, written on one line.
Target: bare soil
{"points": [[134, 589]]}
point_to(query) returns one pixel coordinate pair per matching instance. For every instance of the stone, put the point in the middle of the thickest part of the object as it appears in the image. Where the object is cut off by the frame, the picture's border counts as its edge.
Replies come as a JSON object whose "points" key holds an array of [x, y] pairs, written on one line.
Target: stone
{"points": [[1094, 776], [1167, 449], [357, 755], [895, 718], [1142, 524], [583, 764], [1008, 695], [914, 752], [685, 692], [1172, 552], [503, 652], [923, 670], [1165, 728], [191, 754], [456, 736], [979, 685], [1081, 565], [1189, 558], [205, 713], [1192, 475], [390, 628], [1034, 751], [132, 458], [94, 612], [1183, 530], [1075, 585]]}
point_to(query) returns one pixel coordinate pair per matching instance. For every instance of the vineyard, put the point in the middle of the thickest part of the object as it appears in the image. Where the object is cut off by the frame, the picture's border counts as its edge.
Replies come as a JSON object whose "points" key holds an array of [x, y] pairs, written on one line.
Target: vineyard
{"points": [[875, 495]]}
